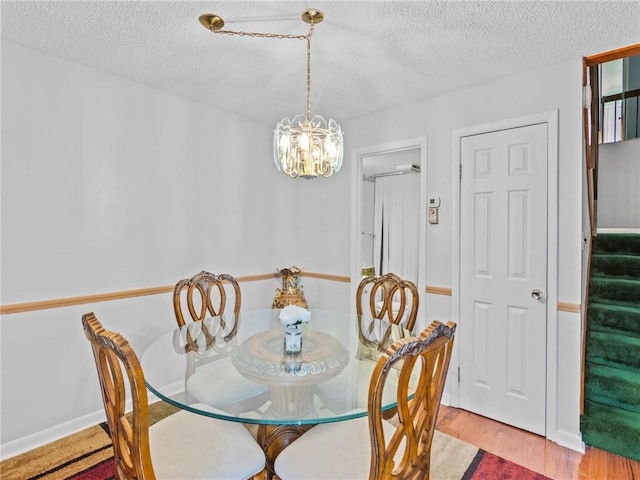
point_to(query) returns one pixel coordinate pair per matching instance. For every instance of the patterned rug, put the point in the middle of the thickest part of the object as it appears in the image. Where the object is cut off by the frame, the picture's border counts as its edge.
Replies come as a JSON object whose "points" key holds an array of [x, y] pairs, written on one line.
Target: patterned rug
{"points": [[87, 455]]}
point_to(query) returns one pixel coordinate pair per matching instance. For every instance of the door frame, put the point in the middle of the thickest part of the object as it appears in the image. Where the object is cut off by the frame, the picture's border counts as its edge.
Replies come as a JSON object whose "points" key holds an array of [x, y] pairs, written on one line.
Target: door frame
{"points": [[550, 118], [357, 218]]}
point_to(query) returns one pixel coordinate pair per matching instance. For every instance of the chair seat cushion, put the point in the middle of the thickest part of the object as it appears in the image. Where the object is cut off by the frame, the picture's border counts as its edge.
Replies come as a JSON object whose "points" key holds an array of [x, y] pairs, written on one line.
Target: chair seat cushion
{"points": [[330, 451], [219, 384], [186, 445]]}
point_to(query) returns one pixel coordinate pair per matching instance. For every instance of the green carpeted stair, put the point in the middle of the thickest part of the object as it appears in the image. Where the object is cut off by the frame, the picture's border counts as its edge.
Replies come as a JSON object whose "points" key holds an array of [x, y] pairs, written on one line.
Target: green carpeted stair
{"points": [[611, 419]]}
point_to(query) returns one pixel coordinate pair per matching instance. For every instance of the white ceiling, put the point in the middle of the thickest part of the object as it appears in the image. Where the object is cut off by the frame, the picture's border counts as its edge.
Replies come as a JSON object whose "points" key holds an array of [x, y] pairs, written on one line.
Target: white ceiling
{"points": [[366, 55]]}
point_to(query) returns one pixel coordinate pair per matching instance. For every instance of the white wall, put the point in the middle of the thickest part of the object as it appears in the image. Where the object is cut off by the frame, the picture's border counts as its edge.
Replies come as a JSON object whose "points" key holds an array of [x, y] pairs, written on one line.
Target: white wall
{"points": [[619, 184], [109, 185], [536, 91]]}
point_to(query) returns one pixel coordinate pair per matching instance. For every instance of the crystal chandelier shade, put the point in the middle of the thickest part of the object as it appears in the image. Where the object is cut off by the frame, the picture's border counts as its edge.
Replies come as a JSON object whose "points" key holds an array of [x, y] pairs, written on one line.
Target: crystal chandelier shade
{"points": [[305, 147]]}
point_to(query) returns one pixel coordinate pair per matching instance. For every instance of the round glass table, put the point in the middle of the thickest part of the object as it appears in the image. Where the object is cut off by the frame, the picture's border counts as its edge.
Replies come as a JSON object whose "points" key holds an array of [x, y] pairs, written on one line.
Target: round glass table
{"points": [[235, 368]]}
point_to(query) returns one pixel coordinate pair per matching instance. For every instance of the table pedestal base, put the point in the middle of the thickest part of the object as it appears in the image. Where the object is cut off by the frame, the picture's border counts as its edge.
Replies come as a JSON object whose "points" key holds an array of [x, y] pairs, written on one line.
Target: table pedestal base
{"points": [[274, 438], [292, 402]]}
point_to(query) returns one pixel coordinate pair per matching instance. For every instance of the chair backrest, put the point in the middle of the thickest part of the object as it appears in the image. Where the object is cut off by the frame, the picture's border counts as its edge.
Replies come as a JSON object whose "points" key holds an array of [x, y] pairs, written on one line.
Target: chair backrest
{"points": [[205, 296], [389, 296], [376, 335], [423, 361], [118, 365]]}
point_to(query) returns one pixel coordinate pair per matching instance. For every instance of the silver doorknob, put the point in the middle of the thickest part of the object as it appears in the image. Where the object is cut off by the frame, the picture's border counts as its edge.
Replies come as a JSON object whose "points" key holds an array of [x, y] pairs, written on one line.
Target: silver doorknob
{"points": [[536, 294]]}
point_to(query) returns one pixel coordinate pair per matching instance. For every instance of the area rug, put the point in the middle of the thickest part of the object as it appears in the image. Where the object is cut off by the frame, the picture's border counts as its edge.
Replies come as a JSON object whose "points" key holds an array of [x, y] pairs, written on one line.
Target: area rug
{"points": [[87, 455]]}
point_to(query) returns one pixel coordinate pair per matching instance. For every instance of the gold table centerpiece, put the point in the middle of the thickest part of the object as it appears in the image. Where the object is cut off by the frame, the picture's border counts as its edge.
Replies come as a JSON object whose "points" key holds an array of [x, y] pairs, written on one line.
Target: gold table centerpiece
{"points": [[290, 293]]}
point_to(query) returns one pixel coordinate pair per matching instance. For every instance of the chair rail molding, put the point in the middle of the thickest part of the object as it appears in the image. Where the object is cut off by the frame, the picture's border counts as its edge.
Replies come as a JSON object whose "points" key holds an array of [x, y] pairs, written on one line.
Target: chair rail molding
{"points": [[141, 292]]}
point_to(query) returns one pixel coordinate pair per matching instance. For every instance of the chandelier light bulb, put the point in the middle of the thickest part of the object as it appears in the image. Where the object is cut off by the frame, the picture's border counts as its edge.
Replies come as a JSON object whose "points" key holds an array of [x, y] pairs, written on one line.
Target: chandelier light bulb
{"points": [[304, 141]]}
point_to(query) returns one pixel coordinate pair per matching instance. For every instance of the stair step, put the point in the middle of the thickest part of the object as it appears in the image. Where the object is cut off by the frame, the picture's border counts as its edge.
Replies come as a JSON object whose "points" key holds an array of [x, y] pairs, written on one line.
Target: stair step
{"points": [[612, 429], [623, 243], [611, 419], [613, 318], [614, 291], [613, 349], [619, 266], [612, 386]]}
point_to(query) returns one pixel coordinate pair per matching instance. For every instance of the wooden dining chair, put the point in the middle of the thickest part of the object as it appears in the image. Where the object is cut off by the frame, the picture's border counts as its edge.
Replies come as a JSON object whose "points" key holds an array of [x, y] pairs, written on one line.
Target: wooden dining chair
{"points": [[212, 379], [206, 296], [374, 337], [184, 445], [372, 447], [385, 299], [389, 296]]}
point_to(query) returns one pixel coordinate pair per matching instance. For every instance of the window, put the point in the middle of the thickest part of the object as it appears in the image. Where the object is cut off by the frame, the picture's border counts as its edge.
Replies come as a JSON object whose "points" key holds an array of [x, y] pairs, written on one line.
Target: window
{"points": [[620, 91]]}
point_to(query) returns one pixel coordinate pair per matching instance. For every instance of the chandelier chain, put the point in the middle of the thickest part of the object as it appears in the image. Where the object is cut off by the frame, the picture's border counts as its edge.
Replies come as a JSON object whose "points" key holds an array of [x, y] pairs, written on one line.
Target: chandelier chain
{"points": [[282, 36], [308, 37]]}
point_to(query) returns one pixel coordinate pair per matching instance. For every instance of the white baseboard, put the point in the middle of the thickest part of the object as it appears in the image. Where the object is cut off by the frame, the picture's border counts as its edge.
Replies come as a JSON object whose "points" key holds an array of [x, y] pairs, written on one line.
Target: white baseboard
{"points": [[38, 439], [618, 230], [569, 440]]}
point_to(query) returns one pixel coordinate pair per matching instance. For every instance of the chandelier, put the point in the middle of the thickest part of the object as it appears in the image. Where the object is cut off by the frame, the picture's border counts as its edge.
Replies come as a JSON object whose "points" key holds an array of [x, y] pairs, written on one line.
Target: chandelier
{"points": [[307, 146]]}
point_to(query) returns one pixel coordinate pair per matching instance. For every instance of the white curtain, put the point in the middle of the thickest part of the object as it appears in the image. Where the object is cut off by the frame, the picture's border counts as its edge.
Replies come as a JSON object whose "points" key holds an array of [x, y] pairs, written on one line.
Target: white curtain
{"points": [[396, 223]]}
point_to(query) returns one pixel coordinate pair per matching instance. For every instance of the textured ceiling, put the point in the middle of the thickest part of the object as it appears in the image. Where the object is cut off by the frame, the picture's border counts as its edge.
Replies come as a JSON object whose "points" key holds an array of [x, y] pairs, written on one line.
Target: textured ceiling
{"points": [[366, 55]]}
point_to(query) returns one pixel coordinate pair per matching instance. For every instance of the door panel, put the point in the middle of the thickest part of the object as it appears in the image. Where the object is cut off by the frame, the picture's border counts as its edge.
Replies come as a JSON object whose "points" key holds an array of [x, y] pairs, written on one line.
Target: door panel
{"points": [[503, 258]]}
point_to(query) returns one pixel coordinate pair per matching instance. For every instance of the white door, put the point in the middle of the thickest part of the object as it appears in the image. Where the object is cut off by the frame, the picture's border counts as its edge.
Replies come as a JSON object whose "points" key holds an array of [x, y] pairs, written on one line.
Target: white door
{"points": [[503, 275]]}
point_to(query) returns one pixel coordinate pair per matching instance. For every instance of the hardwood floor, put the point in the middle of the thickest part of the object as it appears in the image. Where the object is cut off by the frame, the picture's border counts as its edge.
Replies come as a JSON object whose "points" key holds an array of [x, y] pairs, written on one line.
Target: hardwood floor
{"points": [[533, 451]]}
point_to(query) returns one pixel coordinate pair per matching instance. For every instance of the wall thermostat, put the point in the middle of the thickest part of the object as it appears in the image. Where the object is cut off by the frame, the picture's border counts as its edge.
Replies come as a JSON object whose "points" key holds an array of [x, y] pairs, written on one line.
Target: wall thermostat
{"points": [[434, 202]]}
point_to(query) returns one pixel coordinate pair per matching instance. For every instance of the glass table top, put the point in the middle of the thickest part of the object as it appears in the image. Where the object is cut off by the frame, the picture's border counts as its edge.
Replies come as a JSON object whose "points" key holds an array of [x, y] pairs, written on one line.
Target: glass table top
{"points": [[236, 368]]}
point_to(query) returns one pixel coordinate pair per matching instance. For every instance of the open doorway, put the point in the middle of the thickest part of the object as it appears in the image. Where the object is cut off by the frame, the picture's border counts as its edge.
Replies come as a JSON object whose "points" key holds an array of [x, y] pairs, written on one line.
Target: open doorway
{"points": [[389, 210], [618, 185], [612, 139], [392, 211], [611, 261]]}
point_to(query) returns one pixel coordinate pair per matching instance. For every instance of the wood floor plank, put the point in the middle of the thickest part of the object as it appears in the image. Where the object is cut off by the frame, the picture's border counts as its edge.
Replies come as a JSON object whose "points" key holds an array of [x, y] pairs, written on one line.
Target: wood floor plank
{"points": [[533, 451]]}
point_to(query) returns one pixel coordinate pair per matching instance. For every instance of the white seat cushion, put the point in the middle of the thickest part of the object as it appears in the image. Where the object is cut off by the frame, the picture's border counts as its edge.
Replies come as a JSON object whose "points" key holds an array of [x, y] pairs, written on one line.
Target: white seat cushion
{"points": [[331, 451], [186, 445], [219, 384]]}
